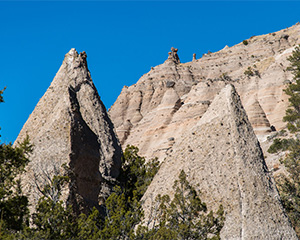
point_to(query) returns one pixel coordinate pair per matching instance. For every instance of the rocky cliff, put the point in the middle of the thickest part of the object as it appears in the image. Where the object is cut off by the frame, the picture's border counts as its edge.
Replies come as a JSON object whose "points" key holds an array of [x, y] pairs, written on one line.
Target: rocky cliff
{"points": [[171, 98], [70, 126], [175, 113], [223, 160]]}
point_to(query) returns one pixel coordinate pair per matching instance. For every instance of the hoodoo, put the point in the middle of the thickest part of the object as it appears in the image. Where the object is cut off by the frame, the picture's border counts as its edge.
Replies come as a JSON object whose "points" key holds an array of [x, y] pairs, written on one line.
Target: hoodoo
{"points": [[223, 160], [257, 70], [70, 126]]}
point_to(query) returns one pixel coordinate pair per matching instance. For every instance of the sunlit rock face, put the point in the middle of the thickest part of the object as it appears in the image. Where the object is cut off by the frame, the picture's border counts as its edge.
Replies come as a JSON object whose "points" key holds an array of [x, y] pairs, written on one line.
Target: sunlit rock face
{"points": [[173, 96], [70, 126], [223, 160], [211, 117]]}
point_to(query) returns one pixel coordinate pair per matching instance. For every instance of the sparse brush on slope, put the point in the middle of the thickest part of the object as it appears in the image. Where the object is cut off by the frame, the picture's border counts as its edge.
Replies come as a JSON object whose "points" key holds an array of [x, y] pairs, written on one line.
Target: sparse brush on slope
{"points": [[184, 217]]}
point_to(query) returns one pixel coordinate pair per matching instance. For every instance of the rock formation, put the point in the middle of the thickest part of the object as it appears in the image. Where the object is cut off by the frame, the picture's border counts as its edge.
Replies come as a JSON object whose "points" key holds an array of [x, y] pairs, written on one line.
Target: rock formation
{"points": [[173, 56], [174, 113], [223, 159], [70, 126], [257, 70], [194, 57]]}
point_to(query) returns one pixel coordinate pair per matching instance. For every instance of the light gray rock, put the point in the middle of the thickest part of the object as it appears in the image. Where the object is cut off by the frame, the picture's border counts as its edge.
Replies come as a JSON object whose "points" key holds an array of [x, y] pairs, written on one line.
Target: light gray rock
{"points": [[70, 126], [223, 160], [197, 82]]}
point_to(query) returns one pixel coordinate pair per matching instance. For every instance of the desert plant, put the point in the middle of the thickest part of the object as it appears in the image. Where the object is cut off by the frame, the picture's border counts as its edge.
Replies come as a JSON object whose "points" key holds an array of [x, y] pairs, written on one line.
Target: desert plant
{"points": [[245, 42], [249, 72], [289, 185], [185, 216]]}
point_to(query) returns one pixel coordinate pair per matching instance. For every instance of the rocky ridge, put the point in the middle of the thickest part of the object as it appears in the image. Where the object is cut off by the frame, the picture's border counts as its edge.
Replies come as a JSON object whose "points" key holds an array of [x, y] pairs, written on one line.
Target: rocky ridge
{"points": [[223, 160], [70, 126], [170, 99]]}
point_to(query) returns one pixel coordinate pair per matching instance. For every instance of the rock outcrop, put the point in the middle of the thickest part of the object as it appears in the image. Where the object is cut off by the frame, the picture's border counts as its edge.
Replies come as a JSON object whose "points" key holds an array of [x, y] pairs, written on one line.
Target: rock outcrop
{"points": [[223, 160], [257, 70], [70, 126]]}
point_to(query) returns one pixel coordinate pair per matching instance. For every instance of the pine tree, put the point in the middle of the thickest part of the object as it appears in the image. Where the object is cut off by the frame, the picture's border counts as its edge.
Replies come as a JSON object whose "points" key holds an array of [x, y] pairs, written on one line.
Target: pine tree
{"points": [[186, 216], [52, 218], [89, 227], [14, 214], [292, 116], [289, 185], [123, 215], [136, 174], [123, 207]]}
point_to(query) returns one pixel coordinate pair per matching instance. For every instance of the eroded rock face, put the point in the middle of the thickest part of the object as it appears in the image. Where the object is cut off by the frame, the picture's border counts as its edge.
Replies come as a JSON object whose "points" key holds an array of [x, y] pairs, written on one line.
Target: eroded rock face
{"points": [[223, 160], [70, 126], [257, 70]]}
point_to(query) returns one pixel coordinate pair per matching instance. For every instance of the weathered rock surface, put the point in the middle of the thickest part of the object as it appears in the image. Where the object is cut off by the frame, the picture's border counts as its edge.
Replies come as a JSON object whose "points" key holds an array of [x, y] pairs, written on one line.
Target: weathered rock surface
{"points": [[70, 126], [146, 115], [223, 159]]}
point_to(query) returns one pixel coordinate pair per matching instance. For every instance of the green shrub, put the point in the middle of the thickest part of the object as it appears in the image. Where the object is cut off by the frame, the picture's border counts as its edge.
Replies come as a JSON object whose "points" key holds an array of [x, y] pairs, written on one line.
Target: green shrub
{"points": [[249, 72], [245, 42], [289, 185]]}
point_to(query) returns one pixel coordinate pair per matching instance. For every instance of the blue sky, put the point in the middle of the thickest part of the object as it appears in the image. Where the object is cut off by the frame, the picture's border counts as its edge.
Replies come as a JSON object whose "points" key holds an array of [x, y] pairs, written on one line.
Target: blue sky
{"points": [[123, 40]]}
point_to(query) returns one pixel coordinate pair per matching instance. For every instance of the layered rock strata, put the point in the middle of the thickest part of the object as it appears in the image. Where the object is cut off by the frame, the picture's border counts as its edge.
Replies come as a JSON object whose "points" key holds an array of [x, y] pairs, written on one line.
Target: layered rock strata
{"points": [[70, 126], [146, 116], [223, 160]]}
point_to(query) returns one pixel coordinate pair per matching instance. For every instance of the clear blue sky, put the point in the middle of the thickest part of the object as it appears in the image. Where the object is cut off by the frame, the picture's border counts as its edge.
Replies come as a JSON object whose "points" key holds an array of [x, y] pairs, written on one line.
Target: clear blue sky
{"points": [[122, 40]]}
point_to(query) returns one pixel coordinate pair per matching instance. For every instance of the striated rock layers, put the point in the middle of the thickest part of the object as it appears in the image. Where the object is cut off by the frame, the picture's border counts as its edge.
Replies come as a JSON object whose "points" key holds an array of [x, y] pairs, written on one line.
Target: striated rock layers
{"points": [[70, 126], [223, 159], [171, 98]]}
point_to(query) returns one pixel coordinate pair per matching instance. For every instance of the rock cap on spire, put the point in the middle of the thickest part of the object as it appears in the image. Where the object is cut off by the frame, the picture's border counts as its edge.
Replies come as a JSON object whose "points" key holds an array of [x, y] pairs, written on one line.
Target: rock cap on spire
{"points": [[173, 56]]}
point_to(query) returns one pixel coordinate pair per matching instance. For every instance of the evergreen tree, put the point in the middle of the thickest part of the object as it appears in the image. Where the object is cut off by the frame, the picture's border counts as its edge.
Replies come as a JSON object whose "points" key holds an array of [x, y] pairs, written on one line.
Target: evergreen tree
{"points": [[185, 217], [13, 203], [123, 207], [289, 186], [52, 218], [292, 116], [136, 175], [123, 215], [89, 227]]}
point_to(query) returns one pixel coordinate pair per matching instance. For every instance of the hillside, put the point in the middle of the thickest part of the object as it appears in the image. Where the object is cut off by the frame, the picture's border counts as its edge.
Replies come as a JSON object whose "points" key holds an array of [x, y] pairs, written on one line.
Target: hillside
{"points": [[212, 117], [171, 98]]}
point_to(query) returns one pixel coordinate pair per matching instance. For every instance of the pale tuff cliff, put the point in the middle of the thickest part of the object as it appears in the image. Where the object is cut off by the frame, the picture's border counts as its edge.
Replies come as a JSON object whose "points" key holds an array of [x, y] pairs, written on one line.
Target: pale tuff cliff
{"points": [[171, 98], [70, 126], [223, 160], [174, 112]]}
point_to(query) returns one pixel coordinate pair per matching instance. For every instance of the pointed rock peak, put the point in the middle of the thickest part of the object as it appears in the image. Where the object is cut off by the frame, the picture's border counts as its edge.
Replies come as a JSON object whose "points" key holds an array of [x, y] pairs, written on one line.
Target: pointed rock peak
{"points": [[73, 71], [75, 60], [71, 55], [72, 52], [173, 56], [226, 47], [70, 126], [225, 103], [223, 160]]}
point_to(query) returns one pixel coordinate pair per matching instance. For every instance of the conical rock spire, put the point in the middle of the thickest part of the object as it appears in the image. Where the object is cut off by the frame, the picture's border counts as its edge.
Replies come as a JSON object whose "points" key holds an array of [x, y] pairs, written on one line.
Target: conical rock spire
{"points": [[223, 159], [70, 126]]}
